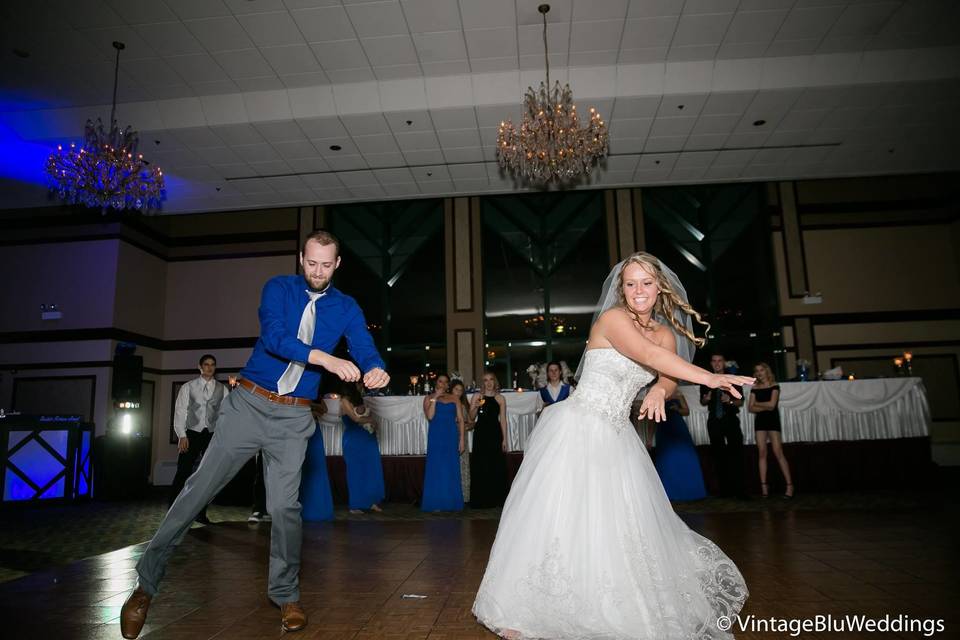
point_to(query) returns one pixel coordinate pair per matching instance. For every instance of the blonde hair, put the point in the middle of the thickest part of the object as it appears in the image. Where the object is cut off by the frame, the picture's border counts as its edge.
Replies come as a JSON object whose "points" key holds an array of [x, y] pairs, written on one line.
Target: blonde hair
{"points": [[768, 371], [667, 301]]}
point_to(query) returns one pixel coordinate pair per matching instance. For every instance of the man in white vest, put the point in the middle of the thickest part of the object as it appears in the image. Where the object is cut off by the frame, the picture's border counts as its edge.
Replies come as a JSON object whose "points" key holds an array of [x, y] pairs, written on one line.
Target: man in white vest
{"points": [[194, 418]]}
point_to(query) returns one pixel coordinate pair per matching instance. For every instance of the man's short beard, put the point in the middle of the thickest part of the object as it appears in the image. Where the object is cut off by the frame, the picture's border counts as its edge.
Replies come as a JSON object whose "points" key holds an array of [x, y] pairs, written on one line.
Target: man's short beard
{"points": [[323, 283]]}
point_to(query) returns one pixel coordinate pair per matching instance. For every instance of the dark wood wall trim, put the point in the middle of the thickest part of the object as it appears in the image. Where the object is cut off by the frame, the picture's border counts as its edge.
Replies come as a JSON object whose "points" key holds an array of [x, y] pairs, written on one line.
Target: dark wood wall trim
{"points": [[76, 335], [877, 316]]}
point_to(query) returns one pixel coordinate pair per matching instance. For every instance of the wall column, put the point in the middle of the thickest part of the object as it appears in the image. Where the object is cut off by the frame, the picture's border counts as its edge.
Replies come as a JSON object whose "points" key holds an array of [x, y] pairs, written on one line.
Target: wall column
{"points": [[464, 287], [624, 223]]}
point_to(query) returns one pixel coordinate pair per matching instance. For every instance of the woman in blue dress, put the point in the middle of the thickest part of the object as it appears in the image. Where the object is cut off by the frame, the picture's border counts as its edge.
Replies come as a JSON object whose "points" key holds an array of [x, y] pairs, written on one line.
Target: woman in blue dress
{"points": [[361, 451], [445, 443], [315, 496], [677, 462]]}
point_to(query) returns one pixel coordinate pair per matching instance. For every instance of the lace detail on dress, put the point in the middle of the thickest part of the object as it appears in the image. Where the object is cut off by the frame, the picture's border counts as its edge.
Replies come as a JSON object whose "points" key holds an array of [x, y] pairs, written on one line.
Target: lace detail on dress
{"points": [[609, 384]]}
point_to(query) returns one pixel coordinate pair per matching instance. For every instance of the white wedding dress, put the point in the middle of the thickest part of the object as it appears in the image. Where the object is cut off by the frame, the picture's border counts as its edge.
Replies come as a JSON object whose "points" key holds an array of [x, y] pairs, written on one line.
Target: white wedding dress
{"points": [[588, 544]]}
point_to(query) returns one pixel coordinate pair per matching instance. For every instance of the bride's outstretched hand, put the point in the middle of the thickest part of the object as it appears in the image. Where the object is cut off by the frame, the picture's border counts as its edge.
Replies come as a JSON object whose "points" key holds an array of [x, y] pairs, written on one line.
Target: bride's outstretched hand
{"points": [[652, 407], [729, 383]]}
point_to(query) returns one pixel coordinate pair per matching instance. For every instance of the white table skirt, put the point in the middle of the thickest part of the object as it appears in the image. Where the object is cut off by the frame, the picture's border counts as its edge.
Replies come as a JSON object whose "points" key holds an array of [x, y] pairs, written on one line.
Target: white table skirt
{"points": [[809, 412], [403, 426], [837, 410]]}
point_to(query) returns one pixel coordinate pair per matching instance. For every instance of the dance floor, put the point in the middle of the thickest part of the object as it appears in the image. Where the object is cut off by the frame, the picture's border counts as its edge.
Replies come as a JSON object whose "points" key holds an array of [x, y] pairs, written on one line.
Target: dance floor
{"points": [[355, 574]]}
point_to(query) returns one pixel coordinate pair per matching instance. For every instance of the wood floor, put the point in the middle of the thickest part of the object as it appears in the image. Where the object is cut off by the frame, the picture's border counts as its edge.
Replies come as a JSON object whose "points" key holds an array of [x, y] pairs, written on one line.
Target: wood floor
{"points": [[798, 564]]}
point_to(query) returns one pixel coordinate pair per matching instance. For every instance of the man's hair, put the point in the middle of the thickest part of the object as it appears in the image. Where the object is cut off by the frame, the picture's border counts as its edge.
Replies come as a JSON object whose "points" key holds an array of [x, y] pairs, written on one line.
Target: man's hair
{"points": [[322, 236], [207, 356]]}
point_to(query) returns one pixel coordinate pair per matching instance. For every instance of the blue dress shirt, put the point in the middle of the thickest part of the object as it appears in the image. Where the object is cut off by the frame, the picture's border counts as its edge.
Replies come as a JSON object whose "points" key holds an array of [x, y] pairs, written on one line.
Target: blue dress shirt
{"points": [[281, 307]]}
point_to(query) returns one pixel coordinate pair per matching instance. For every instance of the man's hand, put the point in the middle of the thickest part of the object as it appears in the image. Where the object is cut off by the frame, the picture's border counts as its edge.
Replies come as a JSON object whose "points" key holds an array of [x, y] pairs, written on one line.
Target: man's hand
{"points": [[376, 378], [343, 369], [183, 445]]}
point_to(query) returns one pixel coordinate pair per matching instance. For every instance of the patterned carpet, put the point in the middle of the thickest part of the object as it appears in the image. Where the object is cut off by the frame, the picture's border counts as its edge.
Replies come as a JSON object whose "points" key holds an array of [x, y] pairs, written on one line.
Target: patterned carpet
{"points": [[37, 538]]}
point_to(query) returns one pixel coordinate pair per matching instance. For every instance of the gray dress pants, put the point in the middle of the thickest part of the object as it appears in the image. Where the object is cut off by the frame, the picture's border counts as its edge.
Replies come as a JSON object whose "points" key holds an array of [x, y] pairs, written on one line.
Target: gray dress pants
{"points": [[247, 423]]}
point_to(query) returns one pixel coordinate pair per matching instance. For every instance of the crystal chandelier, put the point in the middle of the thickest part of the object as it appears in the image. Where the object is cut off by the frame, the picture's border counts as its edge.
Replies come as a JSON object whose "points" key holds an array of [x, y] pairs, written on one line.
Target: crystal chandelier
{"points": [[106, 171], [550, 144]]}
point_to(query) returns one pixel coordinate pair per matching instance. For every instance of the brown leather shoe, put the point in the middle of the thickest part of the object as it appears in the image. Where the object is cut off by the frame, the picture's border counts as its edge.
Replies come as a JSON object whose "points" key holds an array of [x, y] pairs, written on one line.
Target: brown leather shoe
{"points": [[292, 616], [134, 613]]}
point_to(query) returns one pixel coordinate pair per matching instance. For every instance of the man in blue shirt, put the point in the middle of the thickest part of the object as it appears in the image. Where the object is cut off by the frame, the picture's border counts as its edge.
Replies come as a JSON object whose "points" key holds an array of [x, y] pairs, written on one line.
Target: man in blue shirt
{"points": [[302, 318]]}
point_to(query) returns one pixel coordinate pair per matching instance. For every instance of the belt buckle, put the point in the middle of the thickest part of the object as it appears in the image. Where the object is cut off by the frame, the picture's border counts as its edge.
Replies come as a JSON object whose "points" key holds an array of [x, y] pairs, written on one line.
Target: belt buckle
{"points": [[273, 397]]}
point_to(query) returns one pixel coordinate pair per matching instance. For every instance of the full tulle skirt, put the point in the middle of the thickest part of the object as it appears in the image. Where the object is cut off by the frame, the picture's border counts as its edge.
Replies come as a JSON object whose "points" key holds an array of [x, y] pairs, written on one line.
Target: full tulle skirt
{"points": [[589, 546]]}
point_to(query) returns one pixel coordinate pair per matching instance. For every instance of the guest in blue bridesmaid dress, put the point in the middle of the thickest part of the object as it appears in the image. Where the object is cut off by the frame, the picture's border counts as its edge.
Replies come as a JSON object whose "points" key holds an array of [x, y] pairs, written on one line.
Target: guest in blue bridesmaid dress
{"points": [[556, 390], [361, 451], [441, 480], [315, 496], [676, 458]]}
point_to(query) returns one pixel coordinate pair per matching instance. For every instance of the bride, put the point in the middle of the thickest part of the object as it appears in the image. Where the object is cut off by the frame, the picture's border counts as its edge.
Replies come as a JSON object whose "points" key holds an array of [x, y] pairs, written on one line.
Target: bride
{"points": [[588, 544]]}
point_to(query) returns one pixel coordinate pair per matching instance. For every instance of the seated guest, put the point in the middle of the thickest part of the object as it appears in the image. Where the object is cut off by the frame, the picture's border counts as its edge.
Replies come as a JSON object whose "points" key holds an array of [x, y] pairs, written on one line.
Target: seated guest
{"points": [[361, 451], [445, 442], [316, 498], [764, 404], [555, 390], [676, 458]]}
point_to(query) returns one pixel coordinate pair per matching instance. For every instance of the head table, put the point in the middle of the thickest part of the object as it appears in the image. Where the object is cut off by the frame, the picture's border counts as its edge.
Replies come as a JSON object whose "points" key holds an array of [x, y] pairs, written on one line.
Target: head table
{"points": [[875, 409], [823, 411], [402, 426]]}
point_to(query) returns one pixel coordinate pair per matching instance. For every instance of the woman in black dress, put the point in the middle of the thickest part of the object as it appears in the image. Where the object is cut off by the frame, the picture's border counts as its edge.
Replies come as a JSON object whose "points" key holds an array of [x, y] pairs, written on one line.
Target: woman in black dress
{"points": [[764, 403], [488, 461]]}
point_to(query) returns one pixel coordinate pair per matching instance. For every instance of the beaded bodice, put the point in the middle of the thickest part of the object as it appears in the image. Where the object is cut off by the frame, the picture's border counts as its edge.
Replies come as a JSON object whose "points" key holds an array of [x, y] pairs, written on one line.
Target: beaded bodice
{"points": [[609, 383]]}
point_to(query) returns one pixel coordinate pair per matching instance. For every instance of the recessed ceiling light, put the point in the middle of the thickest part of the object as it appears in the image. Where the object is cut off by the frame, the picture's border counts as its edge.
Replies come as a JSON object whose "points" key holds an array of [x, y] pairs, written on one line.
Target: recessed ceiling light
{"points": [[680, 106], [759, 123], [335, 147], [656, 162], [409, 122], [891, 150], [20, 53], [156, 142]]}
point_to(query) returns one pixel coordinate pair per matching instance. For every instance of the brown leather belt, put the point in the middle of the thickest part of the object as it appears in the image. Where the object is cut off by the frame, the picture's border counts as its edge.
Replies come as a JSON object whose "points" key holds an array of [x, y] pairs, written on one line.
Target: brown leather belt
{"points": [[271, 395]]}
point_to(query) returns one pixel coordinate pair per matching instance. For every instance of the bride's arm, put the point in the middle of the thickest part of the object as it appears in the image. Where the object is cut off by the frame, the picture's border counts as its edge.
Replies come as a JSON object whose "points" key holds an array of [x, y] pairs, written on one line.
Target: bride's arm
{"points": [[654, 403], [616, 326]]}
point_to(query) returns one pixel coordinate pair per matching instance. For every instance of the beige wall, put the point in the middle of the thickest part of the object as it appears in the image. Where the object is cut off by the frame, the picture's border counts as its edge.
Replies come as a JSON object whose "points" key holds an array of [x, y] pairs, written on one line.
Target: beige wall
{"points": [[141, 291], [882, 269], [79, 277], [884, 254], [218, 298]]}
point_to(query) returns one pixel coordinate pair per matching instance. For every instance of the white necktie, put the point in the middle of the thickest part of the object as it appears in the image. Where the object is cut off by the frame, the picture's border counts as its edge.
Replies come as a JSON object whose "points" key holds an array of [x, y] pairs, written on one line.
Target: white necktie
{"points": [[308, 321]]}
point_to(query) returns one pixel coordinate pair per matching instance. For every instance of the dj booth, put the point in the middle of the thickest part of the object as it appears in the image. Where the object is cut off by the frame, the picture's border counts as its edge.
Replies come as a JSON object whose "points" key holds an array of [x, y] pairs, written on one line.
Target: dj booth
{"points": [[45, 458]]}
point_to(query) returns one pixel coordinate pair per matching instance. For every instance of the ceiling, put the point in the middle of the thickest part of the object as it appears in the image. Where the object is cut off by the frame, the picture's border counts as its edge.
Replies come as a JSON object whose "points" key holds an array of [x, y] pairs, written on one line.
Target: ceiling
{"points": [[241, 102]]}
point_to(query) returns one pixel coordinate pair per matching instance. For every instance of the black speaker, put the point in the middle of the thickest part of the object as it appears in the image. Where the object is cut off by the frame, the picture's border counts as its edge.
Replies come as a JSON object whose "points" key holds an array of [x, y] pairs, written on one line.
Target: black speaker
{"points": [[127, 377]]}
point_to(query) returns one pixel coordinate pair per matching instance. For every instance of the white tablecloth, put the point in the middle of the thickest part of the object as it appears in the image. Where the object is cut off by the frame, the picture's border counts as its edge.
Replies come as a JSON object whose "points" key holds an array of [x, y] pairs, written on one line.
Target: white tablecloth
{"points": [[403, 426], [809, 412], [837, 410]]}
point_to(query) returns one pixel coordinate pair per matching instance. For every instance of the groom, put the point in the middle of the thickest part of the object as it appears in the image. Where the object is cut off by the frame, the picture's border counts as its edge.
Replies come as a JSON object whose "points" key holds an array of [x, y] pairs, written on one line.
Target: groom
{"points": [[302, 318]]}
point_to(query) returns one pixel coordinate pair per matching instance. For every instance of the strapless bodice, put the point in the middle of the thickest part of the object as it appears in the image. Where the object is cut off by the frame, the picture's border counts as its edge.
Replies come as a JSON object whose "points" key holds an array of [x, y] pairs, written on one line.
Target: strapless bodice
{"points": [[609, 383]]}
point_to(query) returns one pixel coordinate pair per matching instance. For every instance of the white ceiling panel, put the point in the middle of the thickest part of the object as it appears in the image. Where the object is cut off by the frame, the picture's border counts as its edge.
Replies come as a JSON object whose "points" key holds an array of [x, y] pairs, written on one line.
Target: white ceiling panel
{"points": [[372, 19], [324, 23], [431, 15]]}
